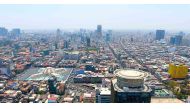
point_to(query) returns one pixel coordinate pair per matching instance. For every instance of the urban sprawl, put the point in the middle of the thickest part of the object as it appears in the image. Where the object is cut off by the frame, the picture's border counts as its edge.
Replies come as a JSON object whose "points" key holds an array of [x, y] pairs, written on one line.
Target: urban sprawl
{"points": [[94, 66]]}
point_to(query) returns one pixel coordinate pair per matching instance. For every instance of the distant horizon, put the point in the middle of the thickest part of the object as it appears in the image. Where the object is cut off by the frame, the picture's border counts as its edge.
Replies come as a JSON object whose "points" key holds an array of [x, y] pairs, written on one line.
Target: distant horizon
{"points": [[94, 29], [114, 17], [77, 29]]}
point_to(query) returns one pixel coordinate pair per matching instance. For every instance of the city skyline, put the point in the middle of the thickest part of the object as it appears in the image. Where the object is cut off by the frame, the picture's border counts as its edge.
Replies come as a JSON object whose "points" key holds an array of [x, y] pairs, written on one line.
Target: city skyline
{"points": [[96, 61], [169, 17]]}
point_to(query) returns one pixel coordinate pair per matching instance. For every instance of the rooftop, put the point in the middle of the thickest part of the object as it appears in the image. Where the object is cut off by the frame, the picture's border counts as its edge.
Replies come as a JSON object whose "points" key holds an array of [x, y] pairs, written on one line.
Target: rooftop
{"points": [[44, 74], [130, 73], [105, 91], [166, 100]]}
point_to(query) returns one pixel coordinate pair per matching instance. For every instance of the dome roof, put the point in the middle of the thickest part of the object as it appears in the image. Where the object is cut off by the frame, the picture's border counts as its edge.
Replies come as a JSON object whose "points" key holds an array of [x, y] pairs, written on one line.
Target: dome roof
{"points": [[124, 73], [130, 77], [130, 73]]}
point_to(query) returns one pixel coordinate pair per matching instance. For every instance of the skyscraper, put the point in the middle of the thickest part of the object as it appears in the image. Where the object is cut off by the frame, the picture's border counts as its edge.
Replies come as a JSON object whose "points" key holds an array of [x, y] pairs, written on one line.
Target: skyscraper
{"points": [[87, 41], [178, 39], [3, 31], [16, 31], [107, 37], [57, 39], [160, 34], [66, 44], [172, 40], [58, 34], [99, 31], [82, 38]]}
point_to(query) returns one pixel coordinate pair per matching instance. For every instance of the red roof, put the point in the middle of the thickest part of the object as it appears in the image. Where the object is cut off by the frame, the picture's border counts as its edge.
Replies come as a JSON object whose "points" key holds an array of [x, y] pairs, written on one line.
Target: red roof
{"points": [[52, 98]]}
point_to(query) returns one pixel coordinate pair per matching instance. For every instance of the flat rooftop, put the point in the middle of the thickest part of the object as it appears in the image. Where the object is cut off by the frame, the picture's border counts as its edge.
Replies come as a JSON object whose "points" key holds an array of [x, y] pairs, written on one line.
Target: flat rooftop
{"points": [[166, 100], [105, 91]]}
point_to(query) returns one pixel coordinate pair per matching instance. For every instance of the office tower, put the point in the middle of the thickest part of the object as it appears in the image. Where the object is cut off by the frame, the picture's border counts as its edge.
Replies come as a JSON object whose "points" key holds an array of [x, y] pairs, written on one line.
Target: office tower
{"points": [[3, 31], [107, 37], [160, 34], [15, 33], [178, 39], [110, 35], [82, 39], [58, 34], [57, 39], [131, 39], [87, 41], [66, 44], [172, 40], [103, 95], [99, 31], [52, 85], [129, 87]]}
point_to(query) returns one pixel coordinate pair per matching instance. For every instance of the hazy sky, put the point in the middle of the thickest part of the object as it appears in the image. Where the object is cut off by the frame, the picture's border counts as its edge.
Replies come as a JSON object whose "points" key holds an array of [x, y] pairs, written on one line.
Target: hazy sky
{"points": [[170, 17]]}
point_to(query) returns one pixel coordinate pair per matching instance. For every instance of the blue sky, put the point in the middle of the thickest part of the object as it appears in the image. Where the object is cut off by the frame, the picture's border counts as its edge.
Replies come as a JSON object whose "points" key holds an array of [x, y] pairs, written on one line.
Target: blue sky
{"points": [[171, 17]]}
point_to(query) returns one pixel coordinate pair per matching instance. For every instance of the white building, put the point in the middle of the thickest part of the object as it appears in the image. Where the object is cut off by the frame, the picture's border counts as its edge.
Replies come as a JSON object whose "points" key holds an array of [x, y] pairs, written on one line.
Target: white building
{"points": [[103, 95]]}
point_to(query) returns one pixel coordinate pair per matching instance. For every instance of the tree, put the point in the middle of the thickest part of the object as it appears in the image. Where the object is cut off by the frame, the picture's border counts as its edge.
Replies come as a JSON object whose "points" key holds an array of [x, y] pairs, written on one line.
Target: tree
{"points": [[172, 84]]}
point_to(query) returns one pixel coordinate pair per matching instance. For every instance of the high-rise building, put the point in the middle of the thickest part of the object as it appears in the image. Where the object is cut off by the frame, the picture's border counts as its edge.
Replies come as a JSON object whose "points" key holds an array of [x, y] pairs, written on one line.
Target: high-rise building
{"points": [[3, 31], [58, 34], [131, 39], [66, 44], [129, 87], [82, 39], [15, 33], [172, 40], [107, 37], [99, 28], [99, 31], [178, 39], [87, 41], [52, 85], [160, 34], [103, 95], [57, 39]]}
